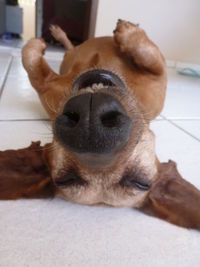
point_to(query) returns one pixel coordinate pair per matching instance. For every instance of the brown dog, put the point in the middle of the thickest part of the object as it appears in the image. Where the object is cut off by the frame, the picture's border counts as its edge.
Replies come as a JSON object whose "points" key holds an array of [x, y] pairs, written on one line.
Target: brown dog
{"points": [[108, 91]]}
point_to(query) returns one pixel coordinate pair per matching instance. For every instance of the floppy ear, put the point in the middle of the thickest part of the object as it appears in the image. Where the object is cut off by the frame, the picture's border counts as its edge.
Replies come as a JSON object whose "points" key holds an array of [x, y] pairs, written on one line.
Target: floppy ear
{"points": [[24, 174], [173, 199]]}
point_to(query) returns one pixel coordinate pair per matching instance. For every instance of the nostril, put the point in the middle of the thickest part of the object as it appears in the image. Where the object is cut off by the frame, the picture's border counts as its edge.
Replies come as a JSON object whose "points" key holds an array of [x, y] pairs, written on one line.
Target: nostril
{"points": [[72, 118], [111, 119]]}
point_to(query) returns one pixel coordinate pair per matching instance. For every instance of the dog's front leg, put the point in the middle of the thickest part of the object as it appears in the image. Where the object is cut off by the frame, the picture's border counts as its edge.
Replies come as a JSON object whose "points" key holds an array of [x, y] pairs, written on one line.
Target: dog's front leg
{"points": [[133, 41], [50, 86]]}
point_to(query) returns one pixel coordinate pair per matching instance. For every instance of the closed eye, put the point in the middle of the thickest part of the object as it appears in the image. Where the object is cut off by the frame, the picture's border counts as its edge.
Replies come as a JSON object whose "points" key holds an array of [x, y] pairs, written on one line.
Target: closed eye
{"points": [[138, 182], [69, 178]]}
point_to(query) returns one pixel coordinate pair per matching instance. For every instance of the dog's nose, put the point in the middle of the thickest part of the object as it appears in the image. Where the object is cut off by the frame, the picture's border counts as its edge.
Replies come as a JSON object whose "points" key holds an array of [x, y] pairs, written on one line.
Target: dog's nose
{"points": [[93, 123]]}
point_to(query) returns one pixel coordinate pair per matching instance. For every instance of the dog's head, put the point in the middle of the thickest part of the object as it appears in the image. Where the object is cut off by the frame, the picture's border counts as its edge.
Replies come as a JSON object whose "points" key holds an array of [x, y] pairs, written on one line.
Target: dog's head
{"points": [[103, 150]]}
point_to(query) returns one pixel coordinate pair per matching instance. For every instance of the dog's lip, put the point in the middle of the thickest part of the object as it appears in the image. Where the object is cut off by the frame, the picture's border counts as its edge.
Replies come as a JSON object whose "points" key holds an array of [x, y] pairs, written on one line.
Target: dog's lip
{"points": [[96, 77]]}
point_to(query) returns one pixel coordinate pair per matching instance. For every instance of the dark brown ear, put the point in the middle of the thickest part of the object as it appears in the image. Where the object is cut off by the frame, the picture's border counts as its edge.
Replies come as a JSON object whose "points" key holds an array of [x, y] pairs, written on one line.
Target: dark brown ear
{"points": [[24, 174], [174, 199]]}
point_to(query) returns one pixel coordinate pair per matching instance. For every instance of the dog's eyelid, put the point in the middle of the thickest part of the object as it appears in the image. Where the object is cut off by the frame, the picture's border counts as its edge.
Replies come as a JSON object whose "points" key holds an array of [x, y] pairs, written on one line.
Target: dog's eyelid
{"points": [[69, 179], [129, 180]]}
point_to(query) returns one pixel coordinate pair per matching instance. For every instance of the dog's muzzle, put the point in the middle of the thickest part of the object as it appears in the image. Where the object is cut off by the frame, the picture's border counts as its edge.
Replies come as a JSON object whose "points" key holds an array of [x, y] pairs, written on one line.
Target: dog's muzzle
{"points": [[94, 122]]}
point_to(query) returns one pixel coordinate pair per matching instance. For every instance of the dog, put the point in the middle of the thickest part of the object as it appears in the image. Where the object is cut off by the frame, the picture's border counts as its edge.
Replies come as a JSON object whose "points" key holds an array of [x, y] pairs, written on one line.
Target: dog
{"points": [[101, 104]]}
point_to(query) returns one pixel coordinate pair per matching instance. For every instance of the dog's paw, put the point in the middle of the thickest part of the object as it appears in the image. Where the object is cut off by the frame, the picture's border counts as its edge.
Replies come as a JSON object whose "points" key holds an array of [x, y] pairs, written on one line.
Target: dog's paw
{"points": [[57, 32], [36, 44], [124, 33], [123, 25]]}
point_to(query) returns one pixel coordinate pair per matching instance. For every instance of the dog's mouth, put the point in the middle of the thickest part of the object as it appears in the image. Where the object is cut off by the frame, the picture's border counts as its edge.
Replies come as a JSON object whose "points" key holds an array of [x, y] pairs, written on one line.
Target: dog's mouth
{"points": [[98, 79]]}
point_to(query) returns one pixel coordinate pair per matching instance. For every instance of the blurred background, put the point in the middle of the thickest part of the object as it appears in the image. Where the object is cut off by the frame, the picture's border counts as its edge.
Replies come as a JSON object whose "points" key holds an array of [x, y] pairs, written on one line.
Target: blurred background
{"points": [[30, 18], [173, 25]]}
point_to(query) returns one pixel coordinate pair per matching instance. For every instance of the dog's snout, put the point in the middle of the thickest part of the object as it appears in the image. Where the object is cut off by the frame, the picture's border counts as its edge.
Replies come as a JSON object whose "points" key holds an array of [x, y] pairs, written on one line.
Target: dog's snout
{"points": [[93, 123]]}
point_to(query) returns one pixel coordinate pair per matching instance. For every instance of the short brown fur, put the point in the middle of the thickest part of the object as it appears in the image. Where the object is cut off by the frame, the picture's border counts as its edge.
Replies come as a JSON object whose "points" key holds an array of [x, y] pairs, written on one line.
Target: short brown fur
{"points": [[138, 61]]}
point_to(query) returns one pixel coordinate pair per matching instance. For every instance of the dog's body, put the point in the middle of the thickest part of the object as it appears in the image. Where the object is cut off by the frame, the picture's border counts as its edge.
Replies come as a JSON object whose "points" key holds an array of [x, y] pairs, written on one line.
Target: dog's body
{"points": [[129, 53], [108, 91], [139, 63]]}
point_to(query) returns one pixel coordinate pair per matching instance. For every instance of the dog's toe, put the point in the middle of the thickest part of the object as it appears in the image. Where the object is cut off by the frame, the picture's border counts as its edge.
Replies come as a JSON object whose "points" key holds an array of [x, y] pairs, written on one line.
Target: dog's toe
{"points": [[123, 25], [56, 32], [125, 33]]}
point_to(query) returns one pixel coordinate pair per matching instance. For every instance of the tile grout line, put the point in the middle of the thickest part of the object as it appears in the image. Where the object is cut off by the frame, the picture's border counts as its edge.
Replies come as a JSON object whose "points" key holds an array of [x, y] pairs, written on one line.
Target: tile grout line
{"points": [[23, 120], [180, 128], [181, 118], [6, 76]]}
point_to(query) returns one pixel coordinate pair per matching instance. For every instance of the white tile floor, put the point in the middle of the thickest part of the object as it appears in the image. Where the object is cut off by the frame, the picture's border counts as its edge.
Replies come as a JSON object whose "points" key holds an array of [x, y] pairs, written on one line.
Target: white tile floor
{"points": [[22, 118]]}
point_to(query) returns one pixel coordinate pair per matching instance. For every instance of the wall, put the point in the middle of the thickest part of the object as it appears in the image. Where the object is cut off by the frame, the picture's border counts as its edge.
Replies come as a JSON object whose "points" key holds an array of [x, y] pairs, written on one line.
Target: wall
{"points": [[29, 27], [174, 25]]}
